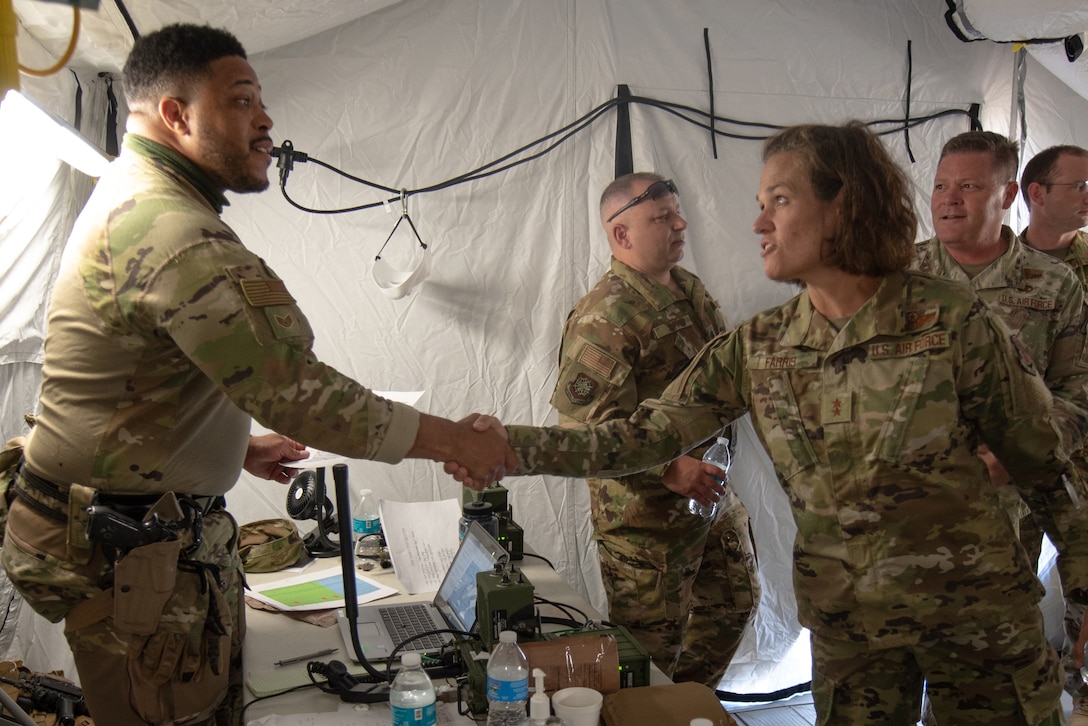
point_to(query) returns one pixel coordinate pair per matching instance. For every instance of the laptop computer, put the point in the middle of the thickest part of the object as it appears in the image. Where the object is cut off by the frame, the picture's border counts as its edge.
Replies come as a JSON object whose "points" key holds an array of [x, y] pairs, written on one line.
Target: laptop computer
{"points": [[383, 627]]}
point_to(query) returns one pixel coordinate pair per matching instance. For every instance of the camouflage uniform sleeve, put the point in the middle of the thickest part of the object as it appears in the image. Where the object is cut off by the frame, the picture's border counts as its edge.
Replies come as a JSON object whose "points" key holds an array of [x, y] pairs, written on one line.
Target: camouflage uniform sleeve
{"points": [[596, 379], [1032, 433], [234, 318], [709, 394], [1066, 374]]}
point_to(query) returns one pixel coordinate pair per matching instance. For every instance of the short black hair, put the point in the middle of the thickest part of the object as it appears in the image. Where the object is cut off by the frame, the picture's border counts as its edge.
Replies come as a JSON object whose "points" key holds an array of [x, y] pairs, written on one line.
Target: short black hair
{"points": [[1041, 166], [169, 60]]}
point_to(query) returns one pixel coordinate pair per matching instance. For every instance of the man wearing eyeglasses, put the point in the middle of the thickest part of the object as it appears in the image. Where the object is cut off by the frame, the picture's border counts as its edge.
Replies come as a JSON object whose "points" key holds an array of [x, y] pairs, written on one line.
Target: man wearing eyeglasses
{"points": [[683, 585], [1039, 299], [1054, 185]]}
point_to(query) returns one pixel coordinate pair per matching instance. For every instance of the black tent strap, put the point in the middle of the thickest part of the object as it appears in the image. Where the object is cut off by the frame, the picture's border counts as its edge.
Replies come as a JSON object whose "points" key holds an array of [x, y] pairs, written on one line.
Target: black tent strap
{"points": [[710, 89], [112, 147], [78, 115], [906, 119], [625, 157]]}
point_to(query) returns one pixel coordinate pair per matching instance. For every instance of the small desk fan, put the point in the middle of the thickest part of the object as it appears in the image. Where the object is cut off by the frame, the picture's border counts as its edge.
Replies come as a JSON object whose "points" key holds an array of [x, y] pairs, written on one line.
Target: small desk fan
{"points": [[306, 499]]}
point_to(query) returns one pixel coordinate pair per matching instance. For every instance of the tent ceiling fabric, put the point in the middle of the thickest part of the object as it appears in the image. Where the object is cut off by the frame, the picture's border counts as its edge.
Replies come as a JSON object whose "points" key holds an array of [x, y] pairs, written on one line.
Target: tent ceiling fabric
{"points": [[259, 24], [1018, 20], [1013, 20]]}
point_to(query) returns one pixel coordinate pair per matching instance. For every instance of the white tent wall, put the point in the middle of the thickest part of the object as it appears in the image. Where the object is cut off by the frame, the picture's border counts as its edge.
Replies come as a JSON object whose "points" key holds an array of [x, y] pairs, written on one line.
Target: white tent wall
{"points": [[418, 92]]}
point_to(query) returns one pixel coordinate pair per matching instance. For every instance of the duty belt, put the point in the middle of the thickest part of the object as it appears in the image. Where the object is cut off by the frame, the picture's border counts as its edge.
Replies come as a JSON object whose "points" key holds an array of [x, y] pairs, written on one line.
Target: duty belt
{"points": [[51, 499], [119, 522]]}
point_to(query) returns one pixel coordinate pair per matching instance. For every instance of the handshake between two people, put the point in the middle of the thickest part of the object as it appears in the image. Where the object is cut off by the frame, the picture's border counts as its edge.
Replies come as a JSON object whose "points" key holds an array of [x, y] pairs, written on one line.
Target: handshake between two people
{"points": [[474, 450]]}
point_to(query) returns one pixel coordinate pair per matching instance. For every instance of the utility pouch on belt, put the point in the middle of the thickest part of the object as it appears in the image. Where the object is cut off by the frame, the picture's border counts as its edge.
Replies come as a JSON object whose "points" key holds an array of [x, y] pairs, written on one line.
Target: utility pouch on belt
{"points": [[179, 648], [9, 462], [80, 548], [143, 581]]}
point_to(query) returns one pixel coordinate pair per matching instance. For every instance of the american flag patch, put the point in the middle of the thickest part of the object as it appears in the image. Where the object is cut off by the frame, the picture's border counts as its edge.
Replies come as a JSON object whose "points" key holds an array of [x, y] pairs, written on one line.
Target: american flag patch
{"points": [[597, 360], [262, 293]]}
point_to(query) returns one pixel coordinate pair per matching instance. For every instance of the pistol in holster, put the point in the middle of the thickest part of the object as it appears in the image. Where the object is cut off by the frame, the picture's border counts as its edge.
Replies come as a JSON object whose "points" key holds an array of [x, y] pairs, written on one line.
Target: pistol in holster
{"points": [[166, 521]]}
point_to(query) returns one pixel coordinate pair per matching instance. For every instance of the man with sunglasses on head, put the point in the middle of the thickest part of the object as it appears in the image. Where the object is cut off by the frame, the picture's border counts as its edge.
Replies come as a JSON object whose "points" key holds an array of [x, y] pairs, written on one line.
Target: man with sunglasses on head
{"points": [[1054, 185], [683, 585]]}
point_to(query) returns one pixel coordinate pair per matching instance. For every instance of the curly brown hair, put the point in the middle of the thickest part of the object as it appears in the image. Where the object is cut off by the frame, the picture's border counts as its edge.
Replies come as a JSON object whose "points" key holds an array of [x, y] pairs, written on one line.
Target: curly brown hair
{"points": [[878, 224]]}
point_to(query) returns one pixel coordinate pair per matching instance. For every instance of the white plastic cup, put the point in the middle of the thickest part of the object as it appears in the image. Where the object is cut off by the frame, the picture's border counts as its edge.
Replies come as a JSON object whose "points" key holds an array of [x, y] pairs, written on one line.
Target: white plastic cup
{"points": [[578, 706]]}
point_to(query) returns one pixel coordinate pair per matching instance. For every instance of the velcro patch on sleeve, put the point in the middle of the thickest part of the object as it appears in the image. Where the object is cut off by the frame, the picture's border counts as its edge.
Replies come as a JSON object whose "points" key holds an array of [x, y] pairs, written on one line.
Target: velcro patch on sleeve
{"points": [[597, 360], [264, 292], [581, 390]]}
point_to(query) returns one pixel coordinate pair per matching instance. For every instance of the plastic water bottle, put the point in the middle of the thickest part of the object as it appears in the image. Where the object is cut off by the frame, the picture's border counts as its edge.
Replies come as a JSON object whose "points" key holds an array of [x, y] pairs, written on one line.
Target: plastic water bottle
{"points": [[507, 682], [411, 697], [719, 456], [364, 518]]}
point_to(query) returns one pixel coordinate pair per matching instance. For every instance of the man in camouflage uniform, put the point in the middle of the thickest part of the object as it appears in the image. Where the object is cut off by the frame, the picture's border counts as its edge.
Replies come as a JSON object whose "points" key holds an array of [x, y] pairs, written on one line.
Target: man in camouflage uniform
{"points": [[871, 391], [1055, 187], [165, 336], [683, 585], [1038, 298]]}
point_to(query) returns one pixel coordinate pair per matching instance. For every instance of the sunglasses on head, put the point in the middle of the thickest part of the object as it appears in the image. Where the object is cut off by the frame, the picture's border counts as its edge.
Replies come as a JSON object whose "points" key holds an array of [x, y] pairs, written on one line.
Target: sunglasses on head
{"points": [[655, 191]]}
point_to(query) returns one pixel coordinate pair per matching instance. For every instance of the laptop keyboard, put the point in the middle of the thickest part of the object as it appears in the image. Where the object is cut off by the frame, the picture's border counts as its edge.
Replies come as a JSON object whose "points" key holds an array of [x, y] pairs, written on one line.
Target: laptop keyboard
{"points": [[405, 621]]}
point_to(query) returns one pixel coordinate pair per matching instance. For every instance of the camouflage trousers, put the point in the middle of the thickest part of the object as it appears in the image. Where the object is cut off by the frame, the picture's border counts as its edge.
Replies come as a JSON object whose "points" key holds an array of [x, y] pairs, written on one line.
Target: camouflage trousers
{"points": [[688, 597], [162, 647], [1002, 675]]}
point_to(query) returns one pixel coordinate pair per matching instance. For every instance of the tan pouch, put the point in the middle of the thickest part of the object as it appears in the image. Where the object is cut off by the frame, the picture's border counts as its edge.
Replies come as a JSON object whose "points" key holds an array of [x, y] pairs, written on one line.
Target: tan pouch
{"points": [[80, 549], [181, 670], [10, 457], [143, 582]]}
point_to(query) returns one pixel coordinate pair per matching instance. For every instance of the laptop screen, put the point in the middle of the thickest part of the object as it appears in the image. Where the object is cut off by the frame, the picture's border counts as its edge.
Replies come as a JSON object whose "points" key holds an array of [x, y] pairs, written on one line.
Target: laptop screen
{"points": [[456, 598]]}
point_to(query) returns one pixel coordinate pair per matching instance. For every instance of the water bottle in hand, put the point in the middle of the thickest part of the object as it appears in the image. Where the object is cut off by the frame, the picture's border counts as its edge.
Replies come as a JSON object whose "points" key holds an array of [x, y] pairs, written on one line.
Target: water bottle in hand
{"points": [[719, 456]]}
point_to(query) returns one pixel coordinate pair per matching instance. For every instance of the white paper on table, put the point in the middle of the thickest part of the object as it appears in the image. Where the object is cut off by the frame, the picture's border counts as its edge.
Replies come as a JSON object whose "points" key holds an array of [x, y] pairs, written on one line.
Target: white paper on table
{"points": [[422, 539], [318, 458], [316, 591]]}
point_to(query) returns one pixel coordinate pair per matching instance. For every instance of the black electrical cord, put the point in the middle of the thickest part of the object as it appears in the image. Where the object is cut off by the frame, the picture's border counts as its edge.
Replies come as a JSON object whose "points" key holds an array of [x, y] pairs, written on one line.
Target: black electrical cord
{"points": [[417, 636], [566, 609], [539, 557], [312, 684], [286, 151], [764, 697]]}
